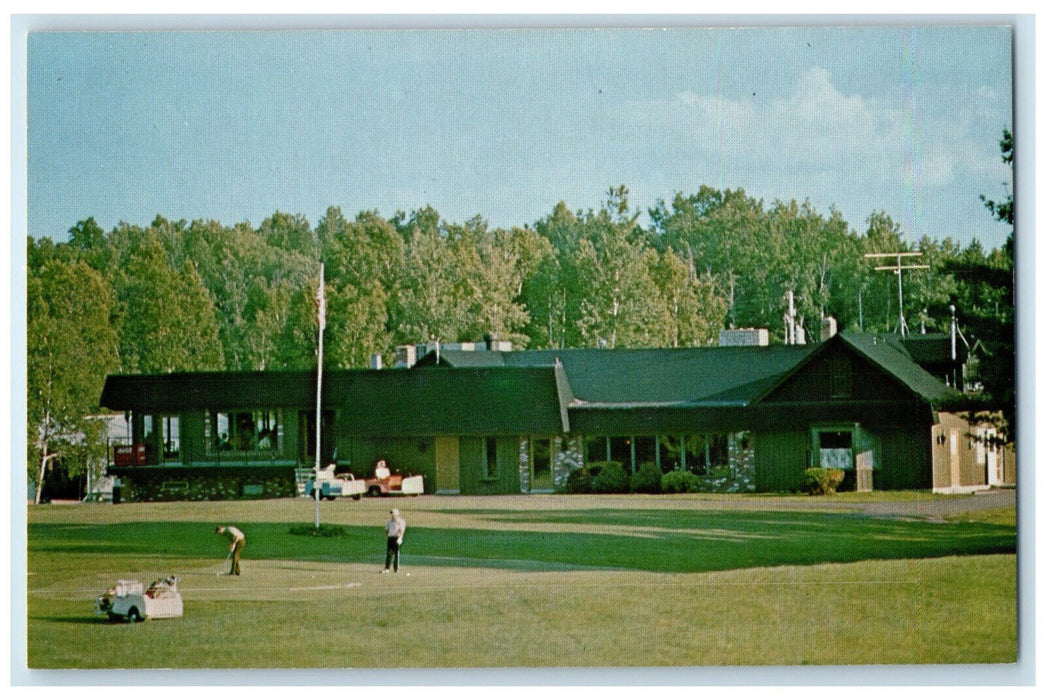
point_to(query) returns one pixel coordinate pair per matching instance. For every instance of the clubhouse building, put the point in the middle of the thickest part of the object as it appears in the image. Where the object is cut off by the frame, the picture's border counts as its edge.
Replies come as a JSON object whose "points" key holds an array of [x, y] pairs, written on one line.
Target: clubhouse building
{"points": [[489, 420]]}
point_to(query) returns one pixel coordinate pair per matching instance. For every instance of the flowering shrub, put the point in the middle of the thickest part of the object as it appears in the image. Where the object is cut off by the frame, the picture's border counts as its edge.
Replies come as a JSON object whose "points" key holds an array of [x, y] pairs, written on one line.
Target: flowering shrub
{"points": [[822, 482]]}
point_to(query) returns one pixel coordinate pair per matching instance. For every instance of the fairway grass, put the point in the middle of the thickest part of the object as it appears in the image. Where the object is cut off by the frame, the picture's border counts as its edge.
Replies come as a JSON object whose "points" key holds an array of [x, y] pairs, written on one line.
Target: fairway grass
{"points": [[559, 582]]}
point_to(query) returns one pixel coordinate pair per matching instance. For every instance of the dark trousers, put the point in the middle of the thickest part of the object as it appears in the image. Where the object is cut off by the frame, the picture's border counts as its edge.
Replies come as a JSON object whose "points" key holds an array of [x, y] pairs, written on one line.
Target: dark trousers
{"points": [[235, 571], [392, 554]]}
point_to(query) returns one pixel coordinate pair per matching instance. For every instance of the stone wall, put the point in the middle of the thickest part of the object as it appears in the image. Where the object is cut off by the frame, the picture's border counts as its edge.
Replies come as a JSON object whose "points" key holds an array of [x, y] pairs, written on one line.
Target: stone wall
{"points": [[524, 465], [741, 461], [206, 487], [569, 455]]}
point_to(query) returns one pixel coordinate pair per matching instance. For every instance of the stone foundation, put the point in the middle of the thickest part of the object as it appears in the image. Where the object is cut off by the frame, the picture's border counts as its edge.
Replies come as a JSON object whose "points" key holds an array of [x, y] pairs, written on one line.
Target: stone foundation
{"points": [[199, 487]]}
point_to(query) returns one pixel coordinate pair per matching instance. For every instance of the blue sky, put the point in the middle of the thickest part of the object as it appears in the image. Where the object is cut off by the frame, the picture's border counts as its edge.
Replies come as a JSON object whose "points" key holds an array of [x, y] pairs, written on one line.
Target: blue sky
{"points": [[505, 123]]}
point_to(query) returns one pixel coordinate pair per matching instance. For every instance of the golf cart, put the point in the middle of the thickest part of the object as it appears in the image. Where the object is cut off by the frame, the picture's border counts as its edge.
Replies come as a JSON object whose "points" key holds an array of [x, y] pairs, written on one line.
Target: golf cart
{"points": [[386, 483], [396, 485], [129, 600], [330, 485]]}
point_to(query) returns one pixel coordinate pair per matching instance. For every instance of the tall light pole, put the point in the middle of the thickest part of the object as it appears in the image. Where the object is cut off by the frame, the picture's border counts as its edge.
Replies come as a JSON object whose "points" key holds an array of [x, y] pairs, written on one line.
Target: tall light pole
{"points": [[902, 326], [321, 312]]}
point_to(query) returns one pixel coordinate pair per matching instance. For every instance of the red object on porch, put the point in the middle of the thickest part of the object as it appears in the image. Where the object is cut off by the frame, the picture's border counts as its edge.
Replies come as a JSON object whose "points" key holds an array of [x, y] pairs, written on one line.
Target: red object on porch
{"points": [[128, 455]]}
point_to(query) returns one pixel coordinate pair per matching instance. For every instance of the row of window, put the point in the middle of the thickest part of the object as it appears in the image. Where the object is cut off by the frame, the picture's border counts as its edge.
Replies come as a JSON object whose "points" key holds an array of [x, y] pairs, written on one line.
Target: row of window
{"points": [[262, 432], [243, 431], [224, 431], [696, 453]]}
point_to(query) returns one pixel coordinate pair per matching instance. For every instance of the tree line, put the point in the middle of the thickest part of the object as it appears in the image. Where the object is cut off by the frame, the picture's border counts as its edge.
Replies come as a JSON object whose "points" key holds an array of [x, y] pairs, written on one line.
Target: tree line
{"points": [[200, 295]]}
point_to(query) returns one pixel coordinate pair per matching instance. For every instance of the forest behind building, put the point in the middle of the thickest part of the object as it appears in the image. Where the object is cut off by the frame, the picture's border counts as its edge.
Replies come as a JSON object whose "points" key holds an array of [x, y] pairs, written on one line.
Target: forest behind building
{"points": [[205, 295]]}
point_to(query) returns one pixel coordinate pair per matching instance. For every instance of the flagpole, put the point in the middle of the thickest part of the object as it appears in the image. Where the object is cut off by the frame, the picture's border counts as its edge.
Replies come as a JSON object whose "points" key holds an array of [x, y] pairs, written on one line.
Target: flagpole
{"points": [[321, 304]]}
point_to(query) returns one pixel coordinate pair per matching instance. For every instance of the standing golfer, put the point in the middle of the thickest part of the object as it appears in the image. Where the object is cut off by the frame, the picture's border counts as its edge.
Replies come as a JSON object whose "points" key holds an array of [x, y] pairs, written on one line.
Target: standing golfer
{"points": [[236, 542], [394, 530]]}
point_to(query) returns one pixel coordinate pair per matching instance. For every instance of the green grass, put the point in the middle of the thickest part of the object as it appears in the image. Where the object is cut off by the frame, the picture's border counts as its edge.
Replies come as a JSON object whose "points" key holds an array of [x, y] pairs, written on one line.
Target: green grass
{"points": [[532, 583]]}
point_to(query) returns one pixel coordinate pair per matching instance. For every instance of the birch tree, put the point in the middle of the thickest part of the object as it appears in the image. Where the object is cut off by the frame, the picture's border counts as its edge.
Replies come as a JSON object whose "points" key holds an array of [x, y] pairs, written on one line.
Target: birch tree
{"points": [[71, 347]]}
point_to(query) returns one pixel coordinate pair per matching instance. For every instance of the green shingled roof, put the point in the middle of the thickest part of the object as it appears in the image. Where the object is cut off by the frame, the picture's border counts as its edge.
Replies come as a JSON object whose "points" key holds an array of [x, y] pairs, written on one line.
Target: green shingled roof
{"points": [[712, 376], [892, 356], [934, 348], [540, 392], [183, 391], [467, 401], [481, 401]]}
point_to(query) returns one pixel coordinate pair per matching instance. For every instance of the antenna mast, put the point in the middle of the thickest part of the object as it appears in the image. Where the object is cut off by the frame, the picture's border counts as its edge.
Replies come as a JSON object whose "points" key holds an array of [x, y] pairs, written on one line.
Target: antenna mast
{"points": [[902, 326]]}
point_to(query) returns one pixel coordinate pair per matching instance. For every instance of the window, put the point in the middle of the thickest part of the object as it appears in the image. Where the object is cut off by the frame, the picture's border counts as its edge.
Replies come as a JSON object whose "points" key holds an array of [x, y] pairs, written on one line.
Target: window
{"points": [[835, 449], [596, 449], [841, 369], [671, 452], [160, 436], [646, 450], [490, 463], [621, 452], [171, 437], [243, 431], [694, 453], [541, 464], [307, 436]]}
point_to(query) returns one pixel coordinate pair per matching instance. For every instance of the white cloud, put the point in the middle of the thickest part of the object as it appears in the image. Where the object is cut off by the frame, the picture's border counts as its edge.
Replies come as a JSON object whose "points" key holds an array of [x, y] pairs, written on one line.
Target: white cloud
{"points": [[819, 135]]}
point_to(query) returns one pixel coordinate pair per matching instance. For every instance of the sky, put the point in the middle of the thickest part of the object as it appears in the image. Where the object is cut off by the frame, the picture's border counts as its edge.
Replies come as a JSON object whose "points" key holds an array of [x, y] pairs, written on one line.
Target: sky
{"points": [[505, 123]]}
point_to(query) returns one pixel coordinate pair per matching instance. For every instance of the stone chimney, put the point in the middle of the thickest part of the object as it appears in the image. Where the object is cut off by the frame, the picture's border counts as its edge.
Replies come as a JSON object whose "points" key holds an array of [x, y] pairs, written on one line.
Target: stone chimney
{"points": [[733, 337], [828, 328], [406, 355]]}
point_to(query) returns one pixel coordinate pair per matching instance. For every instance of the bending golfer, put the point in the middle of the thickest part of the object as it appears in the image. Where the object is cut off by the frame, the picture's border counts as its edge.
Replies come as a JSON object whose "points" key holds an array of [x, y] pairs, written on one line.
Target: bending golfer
{"points": [[236, 542], [394, 530]]}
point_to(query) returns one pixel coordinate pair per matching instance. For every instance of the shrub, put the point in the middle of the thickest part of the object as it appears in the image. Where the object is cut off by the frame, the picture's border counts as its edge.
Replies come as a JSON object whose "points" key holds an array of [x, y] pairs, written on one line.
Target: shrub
{"points": [[647, 479], [822, 482], [578, 481], [680, 482], [324, 530], [612, 478]]}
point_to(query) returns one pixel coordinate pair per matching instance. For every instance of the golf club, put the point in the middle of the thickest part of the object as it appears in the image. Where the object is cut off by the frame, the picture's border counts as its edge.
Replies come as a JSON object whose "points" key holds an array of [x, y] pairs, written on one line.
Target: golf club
{"points": [[224, 563]]}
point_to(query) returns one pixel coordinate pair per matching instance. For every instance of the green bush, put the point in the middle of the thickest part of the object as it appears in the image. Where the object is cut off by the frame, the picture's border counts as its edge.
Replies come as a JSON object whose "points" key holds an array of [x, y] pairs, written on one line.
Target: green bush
{"points": [[680, 482], [324, 530], [647, 479], [578, 481], [822, 482], [612, 478]]}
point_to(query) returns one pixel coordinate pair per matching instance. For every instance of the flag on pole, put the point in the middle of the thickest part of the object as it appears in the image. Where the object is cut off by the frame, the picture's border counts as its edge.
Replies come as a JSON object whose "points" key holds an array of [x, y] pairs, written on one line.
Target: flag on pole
{"points": [[321, 302]]}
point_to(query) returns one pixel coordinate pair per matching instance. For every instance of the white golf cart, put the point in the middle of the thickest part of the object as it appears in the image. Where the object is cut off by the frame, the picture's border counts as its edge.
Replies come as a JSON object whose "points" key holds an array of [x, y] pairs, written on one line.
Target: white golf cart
{"points": [[331, 486], [129, 600]]}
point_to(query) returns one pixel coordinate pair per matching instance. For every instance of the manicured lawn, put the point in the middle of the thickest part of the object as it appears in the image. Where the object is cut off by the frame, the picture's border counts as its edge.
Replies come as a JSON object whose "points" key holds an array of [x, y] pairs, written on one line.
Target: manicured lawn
{"points": [[557, 581]]}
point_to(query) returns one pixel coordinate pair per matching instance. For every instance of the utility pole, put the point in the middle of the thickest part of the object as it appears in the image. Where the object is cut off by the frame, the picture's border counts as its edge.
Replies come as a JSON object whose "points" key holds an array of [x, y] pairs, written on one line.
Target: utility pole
{"points": [[902, 326]]}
